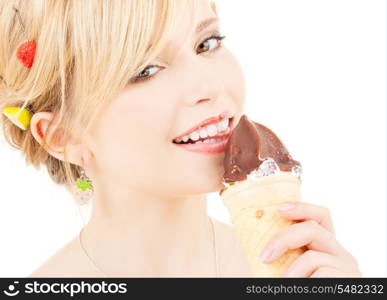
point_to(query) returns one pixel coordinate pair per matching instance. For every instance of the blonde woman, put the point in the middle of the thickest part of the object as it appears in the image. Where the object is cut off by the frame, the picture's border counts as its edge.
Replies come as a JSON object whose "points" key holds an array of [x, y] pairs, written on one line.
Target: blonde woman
{"points": [[112, 85]]}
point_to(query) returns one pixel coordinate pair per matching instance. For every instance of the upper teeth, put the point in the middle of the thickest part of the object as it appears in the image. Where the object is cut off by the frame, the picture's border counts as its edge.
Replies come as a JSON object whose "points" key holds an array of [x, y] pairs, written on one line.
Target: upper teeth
{"points": [[209, 130]]}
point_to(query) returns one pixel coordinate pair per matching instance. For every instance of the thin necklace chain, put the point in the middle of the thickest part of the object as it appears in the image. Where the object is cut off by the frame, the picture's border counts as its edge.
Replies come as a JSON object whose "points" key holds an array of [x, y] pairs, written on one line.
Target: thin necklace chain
{"points": [[215, 250]]}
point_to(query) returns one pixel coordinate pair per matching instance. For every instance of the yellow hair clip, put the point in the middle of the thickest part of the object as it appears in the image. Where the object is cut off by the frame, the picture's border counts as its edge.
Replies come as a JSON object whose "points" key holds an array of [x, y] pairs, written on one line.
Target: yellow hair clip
{"points": [[20, 118]]}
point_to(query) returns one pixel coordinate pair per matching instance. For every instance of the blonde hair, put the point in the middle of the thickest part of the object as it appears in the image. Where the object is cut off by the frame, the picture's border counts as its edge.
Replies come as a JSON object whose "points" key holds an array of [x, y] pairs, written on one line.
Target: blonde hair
{"points": [[87, 51]]}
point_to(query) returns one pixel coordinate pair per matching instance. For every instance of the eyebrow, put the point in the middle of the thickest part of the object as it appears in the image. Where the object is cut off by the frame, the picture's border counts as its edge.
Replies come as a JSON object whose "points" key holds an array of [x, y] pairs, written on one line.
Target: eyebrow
{"points": [[205, 23], [201, 26]]}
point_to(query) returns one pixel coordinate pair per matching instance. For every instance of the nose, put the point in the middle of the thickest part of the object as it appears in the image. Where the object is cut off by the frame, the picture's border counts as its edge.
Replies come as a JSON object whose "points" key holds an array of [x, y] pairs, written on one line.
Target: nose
{"points": [[202, 84]]}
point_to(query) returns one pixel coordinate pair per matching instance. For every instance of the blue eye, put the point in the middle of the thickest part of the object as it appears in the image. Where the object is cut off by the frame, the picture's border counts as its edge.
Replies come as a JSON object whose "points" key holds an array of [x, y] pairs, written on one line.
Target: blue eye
{"points": [[149, 71], [146, 74], [216, 42]]}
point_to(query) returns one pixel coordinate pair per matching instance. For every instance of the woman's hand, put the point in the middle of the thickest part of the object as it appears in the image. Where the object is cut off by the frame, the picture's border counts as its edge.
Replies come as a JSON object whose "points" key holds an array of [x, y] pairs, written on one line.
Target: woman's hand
{"points": [[325, 257]]}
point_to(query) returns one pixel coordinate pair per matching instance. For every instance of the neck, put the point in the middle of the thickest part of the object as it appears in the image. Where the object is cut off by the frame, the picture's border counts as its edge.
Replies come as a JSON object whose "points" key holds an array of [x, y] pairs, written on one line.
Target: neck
{"points": [[132, 231]]}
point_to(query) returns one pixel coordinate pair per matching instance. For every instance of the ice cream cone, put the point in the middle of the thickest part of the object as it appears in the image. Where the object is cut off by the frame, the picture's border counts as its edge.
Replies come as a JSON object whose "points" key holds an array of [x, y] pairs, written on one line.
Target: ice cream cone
{"points": [[252, 204]]}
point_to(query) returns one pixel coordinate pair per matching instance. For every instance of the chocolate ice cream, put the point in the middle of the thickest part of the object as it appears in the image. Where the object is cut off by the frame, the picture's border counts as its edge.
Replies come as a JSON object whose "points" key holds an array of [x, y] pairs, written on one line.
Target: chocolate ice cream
{"points": [[250, 144]]}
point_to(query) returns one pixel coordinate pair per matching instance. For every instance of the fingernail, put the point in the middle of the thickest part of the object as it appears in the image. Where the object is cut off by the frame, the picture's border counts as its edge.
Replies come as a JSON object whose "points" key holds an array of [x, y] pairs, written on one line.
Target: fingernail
{"points": [[286, 206], [265, 255]]}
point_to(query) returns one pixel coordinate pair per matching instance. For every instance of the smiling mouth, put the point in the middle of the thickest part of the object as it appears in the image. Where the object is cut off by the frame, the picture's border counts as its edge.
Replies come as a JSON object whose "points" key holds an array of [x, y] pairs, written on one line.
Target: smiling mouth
{"points": [[212, 133]]}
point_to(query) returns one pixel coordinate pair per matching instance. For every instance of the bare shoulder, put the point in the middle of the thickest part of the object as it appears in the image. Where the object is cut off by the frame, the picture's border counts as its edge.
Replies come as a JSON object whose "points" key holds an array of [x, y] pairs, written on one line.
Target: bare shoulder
{"points": [[231, 256], [67, 261]]}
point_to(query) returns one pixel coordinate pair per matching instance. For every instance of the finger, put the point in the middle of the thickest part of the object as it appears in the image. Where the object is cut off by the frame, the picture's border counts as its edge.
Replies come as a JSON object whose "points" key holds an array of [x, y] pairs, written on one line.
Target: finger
{"points": [[307, 211], [310, 261], [308, 233], [328, 272]]}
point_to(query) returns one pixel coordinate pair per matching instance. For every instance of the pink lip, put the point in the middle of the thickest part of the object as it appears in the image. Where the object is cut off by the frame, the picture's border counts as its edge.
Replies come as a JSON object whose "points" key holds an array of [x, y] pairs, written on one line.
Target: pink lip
{"points": [[206, 122], [210, 148]]}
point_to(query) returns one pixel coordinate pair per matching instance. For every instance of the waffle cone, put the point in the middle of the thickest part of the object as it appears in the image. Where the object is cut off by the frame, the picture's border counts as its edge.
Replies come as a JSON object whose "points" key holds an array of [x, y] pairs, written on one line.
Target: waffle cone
{"points": [[252, 205]]}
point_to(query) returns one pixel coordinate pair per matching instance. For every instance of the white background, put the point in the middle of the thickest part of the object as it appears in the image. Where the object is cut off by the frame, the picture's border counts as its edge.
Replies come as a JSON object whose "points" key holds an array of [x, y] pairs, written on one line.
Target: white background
{"points": [[316, 75]]}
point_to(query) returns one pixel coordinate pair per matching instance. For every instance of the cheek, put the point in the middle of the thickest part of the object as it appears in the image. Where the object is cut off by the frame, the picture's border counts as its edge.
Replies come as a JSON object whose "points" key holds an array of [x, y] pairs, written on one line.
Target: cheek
{"points": [[131, 137], [233, 78]]}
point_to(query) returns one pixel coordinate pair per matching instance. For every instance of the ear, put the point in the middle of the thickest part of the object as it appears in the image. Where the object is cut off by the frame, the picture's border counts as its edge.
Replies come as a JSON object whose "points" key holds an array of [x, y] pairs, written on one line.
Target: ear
{"points": [[77, 152]]}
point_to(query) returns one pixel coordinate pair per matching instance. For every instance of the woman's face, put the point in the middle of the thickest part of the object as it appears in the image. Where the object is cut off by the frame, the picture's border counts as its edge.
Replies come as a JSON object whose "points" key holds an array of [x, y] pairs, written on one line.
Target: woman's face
{"points": [[132, 143]]}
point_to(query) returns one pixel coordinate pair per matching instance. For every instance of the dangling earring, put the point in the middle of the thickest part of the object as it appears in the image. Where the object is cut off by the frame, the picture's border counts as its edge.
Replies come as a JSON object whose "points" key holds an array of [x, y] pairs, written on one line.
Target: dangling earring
{"points": [[84, 188]]}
